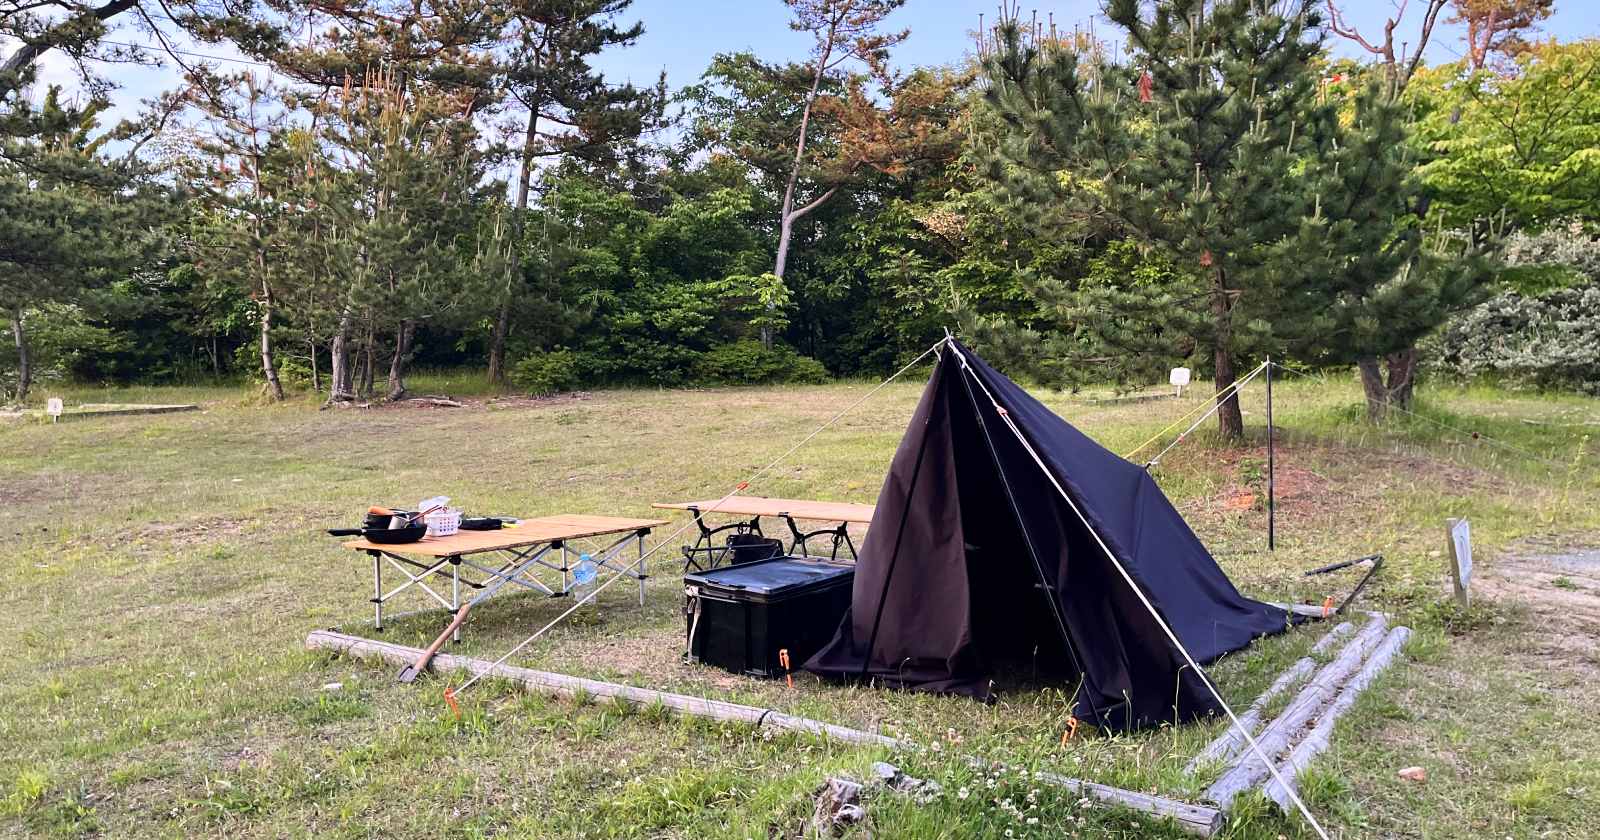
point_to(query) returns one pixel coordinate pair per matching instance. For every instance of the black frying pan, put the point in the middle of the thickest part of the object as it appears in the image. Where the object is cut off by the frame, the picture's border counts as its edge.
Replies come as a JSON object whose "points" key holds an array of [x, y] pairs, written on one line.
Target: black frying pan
{"points": [[383, 536]]}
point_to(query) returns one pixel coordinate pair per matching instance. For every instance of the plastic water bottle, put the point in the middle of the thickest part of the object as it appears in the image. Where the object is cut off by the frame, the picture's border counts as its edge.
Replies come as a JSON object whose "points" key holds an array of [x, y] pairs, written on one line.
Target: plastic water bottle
{"points": [[583, 576]]}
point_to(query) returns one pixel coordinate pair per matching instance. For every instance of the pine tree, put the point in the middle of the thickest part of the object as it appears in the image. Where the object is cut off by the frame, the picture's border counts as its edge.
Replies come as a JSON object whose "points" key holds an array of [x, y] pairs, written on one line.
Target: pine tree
{"points": [[1386, 283], [71, 218], [567, 109], [1193, 148], [408, 204]]}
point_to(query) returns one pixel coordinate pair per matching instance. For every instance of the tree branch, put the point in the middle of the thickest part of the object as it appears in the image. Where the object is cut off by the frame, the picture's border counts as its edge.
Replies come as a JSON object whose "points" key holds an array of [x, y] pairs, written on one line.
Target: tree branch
{"points": [[11, 71]]}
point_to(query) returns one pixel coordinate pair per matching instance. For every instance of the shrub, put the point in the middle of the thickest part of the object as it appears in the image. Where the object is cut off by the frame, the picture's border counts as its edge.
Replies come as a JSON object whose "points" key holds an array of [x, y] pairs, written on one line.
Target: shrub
{"points": [[749, 363], [545, 373], [1549, 340]]}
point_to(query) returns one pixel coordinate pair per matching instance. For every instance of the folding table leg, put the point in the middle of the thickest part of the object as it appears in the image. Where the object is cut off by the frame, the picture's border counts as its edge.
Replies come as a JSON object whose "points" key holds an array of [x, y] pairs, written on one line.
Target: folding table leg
{"points": [[455, 592], [377, 591], [641, 568]]}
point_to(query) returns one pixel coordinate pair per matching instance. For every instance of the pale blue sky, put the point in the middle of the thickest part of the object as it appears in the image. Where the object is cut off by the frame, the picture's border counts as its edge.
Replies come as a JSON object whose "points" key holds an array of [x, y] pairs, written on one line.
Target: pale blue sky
{"points": [[681, 36]]}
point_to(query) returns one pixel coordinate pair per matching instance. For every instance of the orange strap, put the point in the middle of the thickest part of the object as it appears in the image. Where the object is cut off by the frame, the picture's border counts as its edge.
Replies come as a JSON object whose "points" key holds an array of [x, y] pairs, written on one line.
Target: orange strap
{"points": [[450, 697], [1327, 607], [783, 660]]}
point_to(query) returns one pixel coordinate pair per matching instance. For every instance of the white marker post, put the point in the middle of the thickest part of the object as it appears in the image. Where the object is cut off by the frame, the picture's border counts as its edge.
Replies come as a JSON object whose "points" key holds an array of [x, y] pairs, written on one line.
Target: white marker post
{"points": [[1178, 379], [53, 407], [1461, 558]]}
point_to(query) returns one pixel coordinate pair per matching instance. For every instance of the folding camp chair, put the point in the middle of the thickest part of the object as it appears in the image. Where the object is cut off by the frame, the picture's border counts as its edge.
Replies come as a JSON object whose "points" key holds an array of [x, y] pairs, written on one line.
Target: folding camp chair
{"points": [[741, 547]]}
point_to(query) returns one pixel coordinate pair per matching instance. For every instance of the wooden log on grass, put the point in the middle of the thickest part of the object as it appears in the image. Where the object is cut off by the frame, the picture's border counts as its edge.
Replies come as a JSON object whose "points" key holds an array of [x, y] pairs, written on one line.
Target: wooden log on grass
{"points": [[1322, 734], [1227, 744], [1197, 819], [1249, 769]]}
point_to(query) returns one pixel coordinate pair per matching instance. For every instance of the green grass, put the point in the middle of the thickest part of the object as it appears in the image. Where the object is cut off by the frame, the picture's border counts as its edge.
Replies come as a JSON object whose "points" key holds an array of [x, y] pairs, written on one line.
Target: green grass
{"points": [[165, 570]]}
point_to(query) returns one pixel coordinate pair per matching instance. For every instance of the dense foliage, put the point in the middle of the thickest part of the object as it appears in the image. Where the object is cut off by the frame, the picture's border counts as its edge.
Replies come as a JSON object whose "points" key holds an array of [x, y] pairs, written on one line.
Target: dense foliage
{"points": [[457, 185]]}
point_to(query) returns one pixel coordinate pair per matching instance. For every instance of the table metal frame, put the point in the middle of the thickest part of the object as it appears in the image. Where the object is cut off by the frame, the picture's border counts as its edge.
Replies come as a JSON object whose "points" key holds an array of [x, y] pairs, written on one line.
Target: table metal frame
{"points": [[518, 566]]}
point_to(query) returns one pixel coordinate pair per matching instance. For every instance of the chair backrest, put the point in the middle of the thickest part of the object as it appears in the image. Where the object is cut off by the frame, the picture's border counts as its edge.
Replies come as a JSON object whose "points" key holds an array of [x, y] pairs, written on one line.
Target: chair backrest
{"points": [[750, 548]]}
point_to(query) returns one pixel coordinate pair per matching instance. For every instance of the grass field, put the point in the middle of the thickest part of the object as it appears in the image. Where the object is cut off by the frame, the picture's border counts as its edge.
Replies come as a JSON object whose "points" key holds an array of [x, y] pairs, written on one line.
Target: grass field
{"points": [[164, 571]]}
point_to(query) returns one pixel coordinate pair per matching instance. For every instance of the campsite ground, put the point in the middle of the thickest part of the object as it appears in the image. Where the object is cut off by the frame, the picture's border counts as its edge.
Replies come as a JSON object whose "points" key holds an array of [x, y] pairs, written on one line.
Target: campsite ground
{"points": [[165, 569]]}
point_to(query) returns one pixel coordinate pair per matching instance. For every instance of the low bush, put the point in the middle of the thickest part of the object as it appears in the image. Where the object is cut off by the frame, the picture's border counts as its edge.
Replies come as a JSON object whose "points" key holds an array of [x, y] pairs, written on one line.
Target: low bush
{"points": [[548, 372], [1548, 340], [749, 363]]}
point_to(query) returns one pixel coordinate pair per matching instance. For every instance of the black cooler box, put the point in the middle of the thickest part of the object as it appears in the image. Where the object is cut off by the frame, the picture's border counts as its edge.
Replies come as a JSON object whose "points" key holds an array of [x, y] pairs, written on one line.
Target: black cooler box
{"points": [[741, 616]]}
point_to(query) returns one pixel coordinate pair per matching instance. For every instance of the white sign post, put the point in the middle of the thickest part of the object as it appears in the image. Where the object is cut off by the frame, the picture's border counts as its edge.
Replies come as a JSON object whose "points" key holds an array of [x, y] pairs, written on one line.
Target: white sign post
{"points": [[1461, 558], [53, 407], [1178, 379]]}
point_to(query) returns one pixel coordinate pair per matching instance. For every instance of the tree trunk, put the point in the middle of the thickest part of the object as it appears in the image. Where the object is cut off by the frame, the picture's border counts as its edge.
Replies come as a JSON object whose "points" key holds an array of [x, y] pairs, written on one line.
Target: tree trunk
{"points": [[341, 373], [316, 377], [366, 366], [1400, 388], [787, 214], [24, 358], [497, 341], [1230, 420], [269, 366], [1372, 386], [1402, 378], [502, 321], [397, 362]]}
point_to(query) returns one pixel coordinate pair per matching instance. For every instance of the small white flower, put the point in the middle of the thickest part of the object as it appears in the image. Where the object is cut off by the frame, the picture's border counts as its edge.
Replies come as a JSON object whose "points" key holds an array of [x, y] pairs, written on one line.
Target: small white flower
{"points": [[1033, 821], [937, 747], [963, 793]]}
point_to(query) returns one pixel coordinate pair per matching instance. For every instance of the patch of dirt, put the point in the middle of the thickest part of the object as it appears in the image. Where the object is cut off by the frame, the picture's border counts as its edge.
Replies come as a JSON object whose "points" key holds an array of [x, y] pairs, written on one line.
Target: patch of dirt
{"points": [[655, 653], [1295, 488], [23, 490], [538, 402], [1561, 591]]}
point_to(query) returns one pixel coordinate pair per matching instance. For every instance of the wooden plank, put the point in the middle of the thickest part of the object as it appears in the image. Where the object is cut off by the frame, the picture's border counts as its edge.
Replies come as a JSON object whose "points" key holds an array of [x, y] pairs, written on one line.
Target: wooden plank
{"points": [[1196, 819], [1322, 734], [807, 509], [1249, 770], [529, 532]]}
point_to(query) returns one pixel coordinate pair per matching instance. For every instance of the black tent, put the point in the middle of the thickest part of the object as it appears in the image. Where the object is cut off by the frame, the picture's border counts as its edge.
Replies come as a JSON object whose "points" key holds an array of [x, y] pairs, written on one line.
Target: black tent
{"points": [[975, 561]]}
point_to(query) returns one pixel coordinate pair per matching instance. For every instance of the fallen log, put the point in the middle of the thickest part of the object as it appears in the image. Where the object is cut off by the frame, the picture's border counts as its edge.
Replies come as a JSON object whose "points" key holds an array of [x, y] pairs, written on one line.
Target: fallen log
{"points": [[1227, 744], [1197, 819], [1249, 770], [1321, 735], [1343, 629]]}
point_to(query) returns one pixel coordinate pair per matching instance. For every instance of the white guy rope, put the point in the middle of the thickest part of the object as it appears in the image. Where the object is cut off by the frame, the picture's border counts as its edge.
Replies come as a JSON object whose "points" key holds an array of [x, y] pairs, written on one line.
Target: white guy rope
{"points": [[1218, 403], [619, 573], [1187, 414], [1154, 613]]}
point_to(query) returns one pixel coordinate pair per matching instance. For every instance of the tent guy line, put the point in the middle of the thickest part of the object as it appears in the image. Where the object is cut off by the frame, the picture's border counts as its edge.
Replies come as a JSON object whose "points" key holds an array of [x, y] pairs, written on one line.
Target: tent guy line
{"points": [[1234, 385], [1216, 403], [1172, 637], [451, 693]]}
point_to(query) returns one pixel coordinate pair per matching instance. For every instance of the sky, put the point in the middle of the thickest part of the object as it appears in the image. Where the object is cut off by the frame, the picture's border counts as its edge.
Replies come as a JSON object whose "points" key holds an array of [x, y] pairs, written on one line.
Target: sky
{"points": [[681, 36]]}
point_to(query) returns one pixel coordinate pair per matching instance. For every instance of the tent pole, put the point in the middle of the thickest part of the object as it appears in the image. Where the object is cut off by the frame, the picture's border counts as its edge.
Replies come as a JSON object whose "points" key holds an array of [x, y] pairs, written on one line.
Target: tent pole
{"points": [[1272, 507]]}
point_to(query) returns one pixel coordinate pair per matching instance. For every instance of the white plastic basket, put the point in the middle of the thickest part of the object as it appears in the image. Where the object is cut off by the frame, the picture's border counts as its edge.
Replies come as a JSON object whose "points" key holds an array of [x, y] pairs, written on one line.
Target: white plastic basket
{"points": [[443, 523]]}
